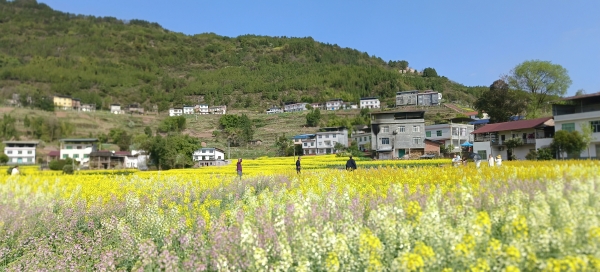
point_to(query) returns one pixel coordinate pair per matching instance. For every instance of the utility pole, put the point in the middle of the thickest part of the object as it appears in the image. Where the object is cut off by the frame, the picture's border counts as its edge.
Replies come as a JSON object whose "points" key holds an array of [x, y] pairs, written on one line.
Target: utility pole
{"points": [[228, 149]]}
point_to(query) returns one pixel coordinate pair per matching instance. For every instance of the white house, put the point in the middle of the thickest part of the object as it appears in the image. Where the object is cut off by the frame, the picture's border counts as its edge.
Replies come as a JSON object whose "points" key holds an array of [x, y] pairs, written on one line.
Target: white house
{"points": [[326, 139], [533, 134], [115, 109], [218, 109], [202, 109], [175, 111], [294, 107], [274, 110], [334, 104], [370, 103], [77, 149], [188, 109], [450, 134], [576, 112], [20, 152], [208, 156]]}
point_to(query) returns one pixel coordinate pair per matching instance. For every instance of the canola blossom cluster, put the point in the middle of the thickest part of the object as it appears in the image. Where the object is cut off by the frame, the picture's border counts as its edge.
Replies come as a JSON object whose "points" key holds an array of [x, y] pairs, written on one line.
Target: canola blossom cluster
{"points": [[385, 216]]}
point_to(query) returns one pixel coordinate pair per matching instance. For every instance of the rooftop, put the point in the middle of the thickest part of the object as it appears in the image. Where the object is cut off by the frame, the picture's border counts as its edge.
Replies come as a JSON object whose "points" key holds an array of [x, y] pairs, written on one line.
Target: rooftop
{"points": [[79, 140], [368, 98], [582, 96], [515, 125], [21, 142]]}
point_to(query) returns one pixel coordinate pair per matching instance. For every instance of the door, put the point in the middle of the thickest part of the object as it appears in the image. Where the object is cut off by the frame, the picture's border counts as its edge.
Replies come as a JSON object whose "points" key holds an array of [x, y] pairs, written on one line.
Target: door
{"points": [[401, 153], [20, 160]]}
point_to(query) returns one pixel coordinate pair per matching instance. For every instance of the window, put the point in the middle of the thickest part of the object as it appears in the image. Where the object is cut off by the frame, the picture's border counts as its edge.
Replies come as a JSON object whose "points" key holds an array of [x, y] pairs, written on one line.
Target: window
{"points": [[385, 129], [385, 140], [79, 147], [427, 133], [326, 135], [595, 126], [8, 151], [75, 156], [416, 128], [19, 152], [320, 136], [29, 152], [69, 147], [416, 140], [568, 127], [29, 159], [439, 133], [86, 156], [482, 153], [203, 151], [305, 144], [334, 135], [401, 129], [65, 156]]}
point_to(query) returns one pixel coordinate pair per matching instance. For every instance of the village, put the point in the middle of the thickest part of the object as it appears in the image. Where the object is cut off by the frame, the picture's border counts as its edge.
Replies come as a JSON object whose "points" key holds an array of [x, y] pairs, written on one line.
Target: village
{"points": [[392, 134]]}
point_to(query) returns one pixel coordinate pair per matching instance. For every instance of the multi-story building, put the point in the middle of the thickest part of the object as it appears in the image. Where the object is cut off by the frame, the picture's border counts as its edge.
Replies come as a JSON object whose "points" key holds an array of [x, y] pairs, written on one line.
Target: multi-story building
{"points": [[318, 106], [294, 107], [135, 108], [76, 104], [63, 102], [370, 103], [274, 110], [208, 156], [175, 111], [188, 109], [298, 138], [326, 140], [201, 109], [115, 109], [408, 98], [532, 134], [397, 133], [334, 104], [20, 152], [218, 109], [450, 134], [78, 149], [362, 136], [88, 107], [576, 112], [414, 98]]}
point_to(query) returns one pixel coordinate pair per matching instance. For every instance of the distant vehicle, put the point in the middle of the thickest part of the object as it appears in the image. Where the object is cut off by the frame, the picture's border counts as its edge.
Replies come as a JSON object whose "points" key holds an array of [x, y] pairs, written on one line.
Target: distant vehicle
{"points": [[428, 156]]}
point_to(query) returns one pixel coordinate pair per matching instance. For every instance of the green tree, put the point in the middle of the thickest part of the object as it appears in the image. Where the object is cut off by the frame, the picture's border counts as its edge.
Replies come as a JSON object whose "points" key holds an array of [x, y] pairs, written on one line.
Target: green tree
{"points": [[429, 72], [283, 144], [541, 79], [313, 118], [3, 158], [570, 142], [238, 129], [587, 135], [500, 102], [511, 144], [148, 131], [172, 151], [7, 127]]}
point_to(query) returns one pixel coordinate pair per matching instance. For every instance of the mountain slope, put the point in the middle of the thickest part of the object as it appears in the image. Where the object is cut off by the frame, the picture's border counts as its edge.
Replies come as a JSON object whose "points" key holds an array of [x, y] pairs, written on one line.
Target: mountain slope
{"points": [[105, 60]]}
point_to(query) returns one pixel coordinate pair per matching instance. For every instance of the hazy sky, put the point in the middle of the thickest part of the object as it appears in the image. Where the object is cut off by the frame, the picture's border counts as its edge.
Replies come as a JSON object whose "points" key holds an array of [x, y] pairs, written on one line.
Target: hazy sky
{"points": [[470, 42]]}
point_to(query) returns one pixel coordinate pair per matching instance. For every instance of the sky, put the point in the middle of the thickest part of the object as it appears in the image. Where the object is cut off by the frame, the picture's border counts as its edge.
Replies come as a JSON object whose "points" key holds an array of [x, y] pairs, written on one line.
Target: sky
{"points": [[471, 42]]}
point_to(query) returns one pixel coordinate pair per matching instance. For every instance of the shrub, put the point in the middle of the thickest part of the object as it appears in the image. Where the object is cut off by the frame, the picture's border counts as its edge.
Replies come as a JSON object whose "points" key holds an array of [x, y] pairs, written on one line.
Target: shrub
{"points": [[57, 164], [68, 169]]}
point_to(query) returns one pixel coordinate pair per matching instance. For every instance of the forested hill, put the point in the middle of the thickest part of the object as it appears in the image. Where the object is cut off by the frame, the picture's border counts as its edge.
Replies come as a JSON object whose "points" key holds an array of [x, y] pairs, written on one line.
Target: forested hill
{"points": [[105, 60]]}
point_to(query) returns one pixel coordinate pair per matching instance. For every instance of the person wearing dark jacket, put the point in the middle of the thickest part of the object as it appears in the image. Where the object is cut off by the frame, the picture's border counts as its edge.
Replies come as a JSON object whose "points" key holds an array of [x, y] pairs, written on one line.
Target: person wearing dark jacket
{"points": [[298, 165], [239, 168], [350, 164]]}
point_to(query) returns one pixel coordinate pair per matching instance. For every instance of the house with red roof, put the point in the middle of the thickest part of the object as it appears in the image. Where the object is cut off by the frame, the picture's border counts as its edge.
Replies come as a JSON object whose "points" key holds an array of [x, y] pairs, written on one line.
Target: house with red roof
{"points": [[576, 111], [491, 139]]}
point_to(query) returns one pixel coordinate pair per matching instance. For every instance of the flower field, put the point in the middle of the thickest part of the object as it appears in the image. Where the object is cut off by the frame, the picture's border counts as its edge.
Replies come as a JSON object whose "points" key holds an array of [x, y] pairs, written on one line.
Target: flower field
{"points": [[386, 216]]}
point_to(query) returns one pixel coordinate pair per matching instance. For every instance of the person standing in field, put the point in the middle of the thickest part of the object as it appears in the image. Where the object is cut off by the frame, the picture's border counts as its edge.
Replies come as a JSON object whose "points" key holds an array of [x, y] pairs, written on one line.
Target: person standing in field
{"points": [[498, 160], [351, 164], [15, 171], [491, 160], [239, 168], [298, 165]]}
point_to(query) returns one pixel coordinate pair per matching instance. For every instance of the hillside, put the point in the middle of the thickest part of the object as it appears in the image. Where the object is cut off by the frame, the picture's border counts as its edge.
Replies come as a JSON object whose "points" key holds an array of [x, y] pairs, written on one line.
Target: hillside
{"points": [[105, 60]]}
